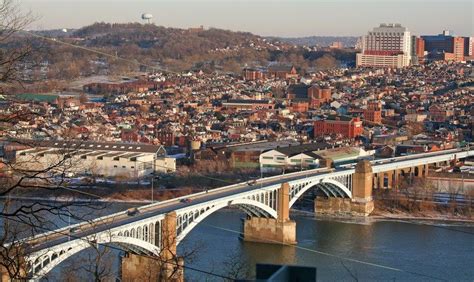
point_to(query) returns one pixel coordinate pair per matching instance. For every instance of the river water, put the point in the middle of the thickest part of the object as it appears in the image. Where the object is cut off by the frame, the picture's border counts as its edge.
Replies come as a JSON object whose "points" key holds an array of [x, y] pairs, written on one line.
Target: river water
{"points": [[385, 250], [347, 250]]}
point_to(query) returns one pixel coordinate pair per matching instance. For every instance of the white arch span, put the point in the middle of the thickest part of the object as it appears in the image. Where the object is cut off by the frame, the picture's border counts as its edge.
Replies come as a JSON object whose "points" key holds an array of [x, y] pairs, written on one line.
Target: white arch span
{"points": [[339, 185], [83, 244], [218, 206]]}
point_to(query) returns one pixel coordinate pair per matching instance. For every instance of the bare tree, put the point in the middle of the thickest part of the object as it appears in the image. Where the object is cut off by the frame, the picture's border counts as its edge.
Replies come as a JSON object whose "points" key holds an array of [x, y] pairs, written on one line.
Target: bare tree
{"points": [[97, 263], [24, 218], [12, 20], [237, 267]]}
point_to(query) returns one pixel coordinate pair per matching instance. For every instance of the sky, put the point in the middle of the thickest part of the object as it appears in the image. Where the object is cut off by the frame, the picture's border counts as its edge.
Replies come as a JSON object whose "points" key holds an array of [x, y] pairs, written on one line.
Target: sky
{"points": [[288, 18]]}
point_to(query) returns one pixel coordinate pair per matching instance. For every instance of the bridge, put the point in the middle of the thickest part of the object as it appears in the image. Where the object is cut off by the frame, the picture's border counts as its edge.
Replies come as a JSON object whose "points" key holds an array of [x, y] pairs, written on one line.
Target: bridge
{"points": [[157, 229]]}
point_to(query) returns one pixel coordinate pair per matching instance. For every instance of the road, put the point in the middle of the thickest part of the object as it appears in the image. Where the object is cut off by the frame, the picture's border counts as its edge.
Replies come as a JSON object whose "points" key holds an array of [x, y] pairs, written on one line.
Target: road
{"points": [[121, 218], [118, 219]]}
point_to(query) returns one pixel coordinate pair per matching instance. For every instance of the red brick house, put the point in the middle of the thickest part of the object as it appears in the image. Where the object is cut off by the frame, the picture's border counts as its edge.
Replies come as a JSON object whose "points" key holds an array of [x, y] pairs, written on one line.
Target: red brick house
{"points": [[346, 126], [282, 72]]}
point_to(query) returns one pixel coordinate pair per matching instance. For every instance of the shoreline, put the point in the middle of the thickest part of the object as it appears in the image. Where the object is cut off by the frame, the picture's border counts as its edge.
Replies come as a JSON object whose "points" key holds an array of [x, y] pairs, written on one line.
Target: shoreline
{"points": [[377, 216], [408, 217]]}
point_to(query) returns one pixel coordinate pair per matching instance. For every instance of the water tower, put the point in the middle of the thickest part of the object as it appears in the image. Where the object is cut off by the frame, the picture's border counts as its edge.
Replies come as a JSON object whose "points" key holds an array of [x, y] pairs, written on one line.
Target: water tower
{"points": [[147, 17]]}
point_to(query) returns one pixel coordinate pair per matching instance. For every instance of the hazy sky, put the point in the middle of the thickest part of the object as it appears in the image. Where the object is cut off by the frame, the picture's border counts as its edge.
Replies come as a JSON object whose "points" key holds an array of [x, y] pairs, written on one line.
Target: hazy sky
{"points": [[263, 17]]}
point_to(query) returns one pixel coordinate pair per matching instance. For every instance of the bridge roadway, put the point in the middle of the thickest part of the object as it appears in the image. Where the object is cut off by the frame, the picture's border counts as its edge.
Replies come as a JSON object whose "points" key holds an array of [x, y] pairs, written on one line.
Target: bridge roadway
{"points": [[52, 238], [118, 219]]}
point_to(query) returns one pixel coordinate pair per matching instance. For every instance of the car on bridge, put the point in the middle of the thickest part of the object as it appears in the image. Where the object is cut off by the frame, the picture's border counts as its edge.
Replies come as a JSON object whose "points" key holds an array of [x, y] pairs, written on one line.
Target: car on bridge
{"points": [[74, 229], [132, 211], [251, 182], [185, 200]]}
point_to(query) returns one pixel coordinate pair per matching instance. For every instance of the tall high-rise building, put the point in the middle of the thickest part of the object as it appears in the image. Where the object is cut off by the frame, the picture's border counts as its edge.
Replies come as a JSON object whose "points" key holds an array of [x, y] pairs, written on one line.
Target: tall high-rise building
{"points": [[388, 45], [445, 46], [468, 46], [420, 49]]}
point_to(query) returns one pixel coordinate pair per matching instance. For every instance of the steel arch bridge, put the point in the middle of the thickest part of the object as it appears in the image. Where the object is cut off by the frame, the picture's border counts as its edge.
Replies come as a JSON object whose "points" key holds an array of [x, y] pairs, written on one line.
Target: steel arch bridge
{"points": [[144, 236], [143, 233]]}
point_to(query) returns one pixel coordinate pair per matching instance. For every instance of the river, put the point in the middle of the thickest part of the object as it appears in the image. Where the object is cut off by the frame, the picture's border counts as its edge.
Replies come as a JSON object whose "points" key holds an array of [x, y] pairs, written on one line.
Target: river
{"points": [[387, 250], [361, 249]]}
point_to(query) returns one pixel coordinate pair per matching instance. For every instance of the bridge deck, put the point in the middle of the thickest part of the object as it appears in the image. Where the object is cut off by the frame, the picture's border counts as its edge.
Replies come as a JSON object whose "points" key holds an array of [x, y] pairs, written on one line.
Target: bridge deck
{"points": [[50, 239]]}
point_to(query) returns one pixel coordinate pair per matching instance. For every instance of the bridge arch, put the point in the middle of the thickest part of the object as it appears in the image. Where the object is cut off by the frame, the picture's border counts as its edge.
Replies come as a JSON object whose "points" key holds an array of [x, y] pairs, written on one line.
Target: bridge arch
{"points": [[239, 202], [55, 258], [335, 189]]}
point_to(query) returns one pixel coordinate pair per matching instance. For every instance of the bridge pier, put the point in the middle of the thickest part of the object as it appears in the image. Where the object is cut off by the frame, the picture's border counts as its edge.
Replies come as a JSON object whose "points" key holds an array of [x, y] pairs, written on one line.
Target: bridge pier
{"points": [[165, 267], [362, 202], [281, 230]]}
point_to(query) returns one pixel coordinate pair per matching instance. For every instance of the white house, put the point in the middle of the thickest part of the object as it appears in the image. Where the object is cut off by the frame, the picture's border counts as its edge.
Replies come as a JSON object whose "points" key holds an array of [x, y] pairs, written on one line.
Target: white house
{"points": [[291, 157]]}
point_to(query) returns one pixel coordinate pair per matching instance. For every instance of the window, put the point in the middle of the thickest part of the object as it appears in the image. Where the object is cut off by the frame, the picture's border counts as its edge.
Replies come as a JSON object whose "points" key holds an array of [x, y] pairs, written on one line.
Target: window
{"points": [[115, 166], [267, 158], [124, 166], [132, 167], [281, 158]]}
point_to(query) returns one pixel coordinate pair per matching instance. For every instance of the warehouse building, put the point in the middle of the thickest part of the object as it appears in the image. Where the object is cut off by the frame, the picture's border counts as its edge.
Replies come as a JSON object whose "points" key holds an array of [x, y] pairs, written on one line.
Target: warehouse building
{"points": [[95, 158]]}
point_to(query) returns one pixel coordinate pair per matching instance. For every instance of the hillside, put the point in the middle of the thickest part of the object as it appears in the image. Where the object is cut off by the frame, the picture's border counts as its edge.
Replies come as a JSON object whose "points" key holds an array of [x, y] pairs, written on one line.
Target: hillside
{"points": [[322, 41], [171, 48]]}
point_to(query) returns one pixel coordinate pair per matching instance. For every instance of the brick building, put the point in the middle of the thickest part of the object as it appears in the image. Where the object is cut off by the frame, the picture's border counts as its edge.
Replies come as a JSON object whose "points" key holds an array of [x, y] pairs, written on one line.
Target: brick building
{"points": [[166, 137], [420, 49], [373, 113], [253, 74], [440, 114], [346, 126], [282, 72], [314, 95], [444, 47], [248, 105]]}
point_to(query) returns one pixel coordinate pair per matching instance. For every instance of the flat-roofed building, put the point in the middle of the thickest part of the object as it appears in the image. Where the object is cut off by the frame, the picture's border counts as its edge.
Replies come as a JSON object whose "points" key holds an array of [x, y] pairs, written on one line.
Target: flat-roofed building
{"points": [[95, 158], [388, 45], [292, 157]]}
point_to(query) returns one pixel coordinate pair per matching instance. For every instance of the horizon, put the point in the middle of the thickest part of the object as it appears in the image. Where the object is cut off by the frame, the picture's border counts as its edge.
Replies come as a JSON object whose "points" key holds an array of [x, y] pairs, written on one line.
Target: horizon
{"points": [[363, 15]]}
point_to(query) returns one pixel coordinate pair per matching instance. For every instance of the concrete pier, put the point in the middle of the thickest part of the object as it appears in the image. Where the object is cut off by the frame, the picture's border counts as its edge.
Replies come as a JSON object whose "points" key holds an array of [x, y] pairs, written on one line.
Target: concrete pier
{"points": [[165, 267], [269, 230]]}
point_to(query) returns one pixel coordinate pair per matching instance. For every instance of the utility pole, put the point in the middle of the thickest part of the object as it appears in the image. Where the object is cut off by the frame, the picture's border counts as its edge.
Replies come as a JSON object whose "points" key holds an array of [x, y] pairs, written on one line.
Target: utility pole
{"points": [[153, 178]]}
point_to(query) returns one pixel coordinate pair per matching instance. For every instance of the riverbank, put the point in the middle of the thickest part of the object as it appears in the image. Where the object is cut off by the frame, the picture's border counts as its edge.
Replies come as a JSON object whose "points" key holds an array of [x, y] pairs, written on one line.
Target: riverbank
{"points": [[377, 216], [427, 216]]}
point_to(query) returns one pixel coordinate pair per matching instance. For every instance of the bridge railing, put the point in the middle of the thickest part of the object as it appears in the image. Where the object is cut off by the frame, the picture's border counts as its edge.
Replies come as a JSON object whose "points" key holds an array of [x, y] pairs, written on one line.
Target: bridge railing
{"points": [[109, 217], [414, 156], [424, 160]]}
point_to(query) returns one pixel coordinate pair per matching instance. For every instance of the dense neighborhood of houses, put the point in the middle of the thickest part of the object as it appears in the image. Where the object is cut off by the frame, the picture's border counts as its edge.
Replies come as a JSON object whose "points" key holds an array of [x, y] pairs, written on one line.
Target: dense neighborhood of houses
{"points": [[277, 118]]}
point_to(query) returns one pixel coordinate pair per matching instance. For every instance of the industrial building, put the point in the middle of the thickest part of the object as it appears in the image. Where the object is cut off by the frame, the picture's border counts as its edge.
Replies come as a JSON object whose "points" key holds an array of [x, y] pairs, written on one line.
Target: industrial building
{"points": [[445, 46], [77, 158]]}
